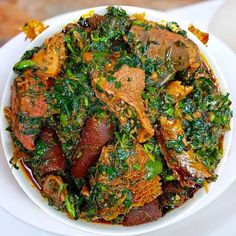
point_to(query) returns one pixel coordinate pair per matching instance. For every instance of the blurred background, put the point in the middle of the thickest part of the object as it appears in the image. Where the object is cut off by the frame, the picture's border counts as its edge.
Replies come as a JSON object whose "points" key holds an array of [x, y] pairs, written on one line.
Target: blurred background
{"points": [[218, 15], [14, 13]]}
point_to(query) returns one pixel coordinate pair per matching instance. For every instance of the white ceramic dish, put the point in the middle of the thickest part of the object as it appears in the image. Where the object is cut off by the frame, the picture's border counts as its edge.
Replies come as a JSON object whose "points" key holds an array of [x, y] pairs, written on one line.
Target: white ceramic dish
{"points": [[170, 218]]}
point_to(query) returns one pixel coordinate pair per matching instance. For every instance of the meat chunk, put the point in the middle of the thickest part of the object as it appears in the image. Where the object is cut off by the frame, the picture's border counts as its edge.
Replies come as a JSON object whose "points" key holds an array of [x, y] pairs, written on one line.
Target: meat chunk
{"points": [[28, 97], [53, 189], [53, 159], [95, 21], [166, 45], [140, 215], [140, 34], [27, 140], [52, 56], [95, 135], [186, 166], [130, 180], [30, 92], [28, 106], [170, 52], [132, 83], [174, 195]]}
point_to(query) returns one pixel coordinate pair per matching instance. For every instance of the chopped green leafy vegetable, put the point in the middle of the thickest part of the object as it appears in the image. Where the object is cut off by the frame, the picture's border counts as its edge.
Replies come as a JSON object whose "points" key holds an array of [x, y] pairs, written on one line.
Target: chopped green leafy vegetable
{"points": [[153, 168], [116, 122], [23, 65]]}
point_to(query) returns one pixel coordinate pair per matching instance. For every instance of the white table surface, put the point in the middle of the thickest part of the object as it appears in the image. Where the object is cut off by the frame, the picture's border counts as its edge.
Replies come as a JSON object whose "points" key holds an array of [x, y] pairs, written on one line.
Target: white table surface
{"points": [[218, 219]]}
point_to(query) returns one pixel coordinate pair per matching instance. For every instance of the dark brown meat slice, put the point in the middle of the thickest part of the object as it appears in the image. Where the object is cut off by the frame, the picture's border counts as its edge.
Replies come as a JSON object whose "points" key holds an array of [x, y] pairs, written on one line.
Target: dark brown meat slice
{"points": [[28, 90], [147, 213], [176, 54], [174, 195], [95, 135], [140, 34], [53, 189], [95, 21], [54, 159], [27, 140], [181, 51], [132, 81], [28, 99], [186, 166]]}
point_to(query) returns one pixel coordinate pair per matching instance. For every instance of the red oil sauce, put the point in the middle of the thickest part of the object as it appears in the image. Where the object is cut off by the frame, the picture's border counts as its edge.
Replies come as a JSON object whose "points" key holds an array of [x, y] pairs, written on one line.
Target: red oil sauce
{"points": [[207, 67], [29, 174], [101, 221], [205, 64]]}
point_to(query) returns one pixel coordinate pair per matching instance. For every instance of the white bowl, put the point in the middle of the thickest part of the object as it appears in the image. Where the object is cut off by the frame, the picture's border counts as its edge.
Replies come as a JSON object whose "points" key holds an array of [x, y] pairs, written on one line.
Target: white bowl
{"points": [[104, 229]]}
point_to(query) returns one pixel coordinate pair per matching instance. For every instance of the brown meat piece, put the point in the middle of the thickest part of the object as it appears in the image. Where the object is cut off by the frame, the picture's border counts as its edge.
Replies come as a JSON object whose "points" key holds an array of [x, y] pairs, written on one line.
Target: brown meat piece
{"points": [[53, 189], [143, 190], [95, 21], [32, 102], [169, 51], [132, 83], [28, 98], [182, 51], [95, 135], [149, 212], [27, 140], [52, 56], [174, 195], [186, 166], [54, 159], [140, 34], [28, 91]]}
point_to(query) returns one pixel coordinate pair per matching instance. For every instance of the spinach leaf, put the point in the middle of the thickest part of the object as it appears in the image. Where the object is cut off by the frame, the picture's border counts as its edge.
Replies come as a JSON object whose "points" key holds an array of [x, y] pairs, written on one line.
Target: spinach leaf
{"points": [[23, 65], [153, 168], [176, 145]]}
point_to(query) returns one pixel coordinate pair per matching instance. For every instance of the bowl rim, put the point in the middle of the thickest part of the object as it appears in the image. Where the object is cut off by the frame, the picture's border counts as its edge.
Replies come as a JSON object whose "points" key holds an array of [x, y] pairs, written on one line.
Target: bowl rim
{"points": [[134, 230]]}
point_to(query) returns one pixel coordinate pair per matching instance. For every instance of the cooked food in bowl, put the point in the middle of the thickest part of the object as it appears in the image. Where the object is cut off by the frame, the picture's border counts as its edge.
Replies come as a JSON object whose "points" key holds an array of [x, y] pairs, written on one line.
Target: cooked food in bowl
{"points": [[117, 119]]}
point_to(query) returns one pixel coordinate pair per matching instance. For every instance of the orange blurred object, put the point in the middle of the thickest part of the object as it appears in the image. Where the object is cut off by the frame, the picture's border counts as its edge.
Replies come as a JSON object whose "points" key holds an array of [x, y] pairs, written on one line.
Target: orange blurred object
{"points": [[33, 28], [202, 36]]}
